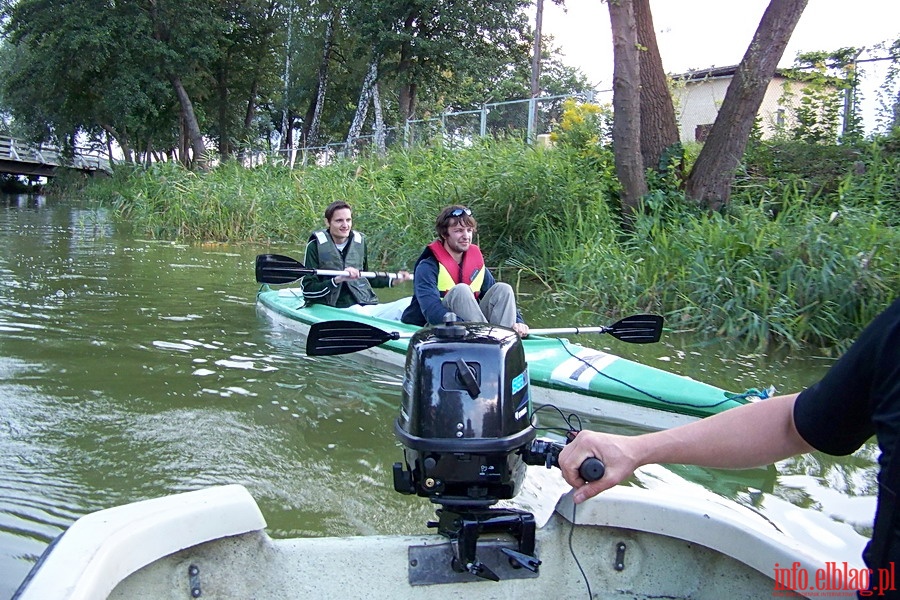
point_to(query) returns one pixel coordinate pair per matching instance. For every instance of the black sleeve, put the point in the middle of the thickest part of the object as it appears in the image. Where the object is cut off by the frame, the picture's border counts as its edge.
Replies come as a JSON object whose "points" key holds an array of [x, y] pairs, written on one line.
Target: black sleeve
{"points": [[860, 395]]}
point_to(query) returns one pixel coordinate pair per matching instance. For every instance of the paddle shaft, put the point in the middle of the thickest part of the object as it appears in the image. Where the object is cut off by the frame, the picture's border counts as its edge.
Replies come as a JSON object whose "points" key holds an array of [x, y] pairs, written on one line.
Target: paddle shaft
{"points": [[277, 269], [538, 331], [366, 274], [563, 330]]}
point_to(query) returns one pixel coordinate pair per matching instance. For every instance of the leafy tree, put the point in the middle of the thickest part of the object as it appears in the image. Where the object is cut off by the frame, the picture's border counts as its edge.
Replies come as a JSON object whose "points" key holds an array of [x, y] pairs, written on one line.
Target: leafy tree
{"points": [[160, 77], [244, 69], [141, 71], [427, 45], [712, 174], [313, 121], [183, 42], [62, 74]]}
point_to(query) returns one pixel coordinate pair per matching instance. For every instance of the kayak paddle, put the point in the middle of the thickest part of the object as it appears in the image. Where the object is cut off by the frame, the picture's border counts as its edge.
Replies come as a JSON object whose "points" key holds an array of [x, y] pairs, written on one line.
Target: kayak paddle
{"points": [[343, 337], [636, 329], [277, 268], [328, 338]]}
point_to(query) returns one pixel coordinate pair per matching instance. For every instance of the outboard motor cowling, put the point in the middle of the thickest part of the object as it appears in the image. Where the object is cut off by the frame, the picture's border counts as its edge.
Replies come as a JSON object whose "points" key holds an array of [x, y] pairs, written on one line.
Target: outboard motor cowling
{"points": [[464, 416], [465, 426]]}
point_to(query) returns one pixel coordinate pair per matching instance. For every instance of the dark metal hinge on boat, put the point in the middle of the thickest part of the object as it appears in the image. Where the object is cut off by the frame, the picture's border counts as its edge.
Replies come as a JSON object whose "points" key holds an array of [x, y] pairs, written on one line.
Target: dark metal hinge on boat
{"points": [[620, 557], [194, 580]]}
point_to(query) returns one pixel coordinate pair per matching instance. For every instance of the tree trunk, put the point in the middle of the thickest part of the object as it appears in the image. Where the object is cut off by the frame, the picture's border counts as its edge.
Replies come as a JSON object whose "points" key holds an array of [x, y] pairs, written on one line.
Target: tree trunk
{"points": [[362, 107], [536, 52], [124, 142], [407, 95], [224, 136], [286, 142], [189, 118], [659, 128], [713, 173], [404, 103], [184, 153], [251, 106], [313, 122], [626, 106], [895, 122], [379, 121], [536, 67], [109, 150]]}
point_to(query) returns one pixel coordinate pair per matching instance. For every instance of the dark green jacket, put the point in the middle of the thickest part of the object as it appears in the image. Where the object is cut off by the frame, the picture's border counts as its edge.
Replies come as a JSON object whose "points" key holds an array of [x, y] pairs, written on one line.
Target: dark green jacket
{"points": [[322, 253]]}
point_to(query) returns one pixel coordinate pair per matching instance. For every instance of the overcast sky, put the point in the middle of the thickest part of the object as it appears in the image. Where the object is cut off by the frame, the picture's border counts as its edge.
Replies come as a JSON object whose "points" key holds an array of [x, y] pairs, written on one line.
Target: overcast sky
{"points": [[695, 34]]}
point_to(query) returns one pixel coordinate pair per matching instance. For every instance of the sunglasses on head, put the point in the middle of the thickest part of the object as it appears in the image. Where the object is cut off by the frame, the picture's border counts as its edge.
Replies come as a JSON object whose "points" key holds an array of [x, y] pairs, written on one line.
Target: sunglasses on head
{"points": [[458, 212]]}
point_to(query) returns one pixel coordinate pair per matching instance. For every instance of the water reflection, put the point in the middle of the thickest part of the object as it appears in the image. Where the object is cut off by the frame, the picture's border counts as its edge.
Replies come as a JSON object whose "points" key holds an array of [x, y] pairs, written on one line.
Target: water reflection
{"points": [[135, 368]]}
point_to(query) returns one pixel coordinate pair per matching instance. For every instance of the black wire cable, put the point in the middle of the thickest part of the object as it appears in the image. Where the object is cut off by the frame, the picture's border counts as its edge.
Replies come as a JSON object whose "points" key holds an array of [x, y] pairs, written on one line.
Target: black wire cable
{"points": [[573, 421], [584, 576]]}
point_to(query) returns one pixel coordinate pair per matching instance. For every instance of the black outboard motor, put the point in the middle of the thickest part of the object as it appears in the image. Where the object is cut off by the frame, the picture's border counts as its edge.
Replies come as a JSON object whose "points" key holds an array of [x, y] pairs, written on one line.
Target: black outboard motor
{"points": [[465, 427], [465, 424], [464, 415]]}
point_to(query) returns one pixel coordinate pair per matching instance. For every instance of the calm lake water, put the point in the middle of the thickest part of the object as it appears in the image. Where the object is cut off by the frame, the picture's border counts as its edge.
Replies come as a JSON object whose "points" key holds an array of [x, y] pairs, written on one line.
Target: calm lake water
{"points": [[132, 368]]}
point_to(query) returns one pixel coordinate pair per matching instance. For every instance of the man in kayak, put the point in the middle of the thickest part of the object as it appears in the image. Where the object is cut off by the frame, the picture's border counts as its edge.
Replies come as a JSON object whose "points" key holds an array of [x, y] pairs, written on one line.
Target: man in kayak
{"points": [[339, 247], [857, 398], [450, 276]]}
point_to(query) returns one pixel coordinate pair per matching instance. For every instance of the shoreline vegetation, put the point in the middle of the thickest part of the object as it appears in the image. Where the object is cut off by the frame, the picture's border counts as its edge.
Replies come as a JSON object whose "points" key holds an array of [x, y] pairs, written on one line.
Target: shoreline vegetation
{"points": [[805, 254]]}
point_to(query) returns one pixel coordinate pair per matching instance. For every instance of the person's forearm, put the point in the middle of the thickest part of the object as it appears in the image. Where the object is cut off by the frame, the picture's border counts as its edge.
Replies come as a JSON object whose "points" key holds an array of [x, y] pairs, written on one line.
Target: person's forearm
{"points": [[748, 436]]}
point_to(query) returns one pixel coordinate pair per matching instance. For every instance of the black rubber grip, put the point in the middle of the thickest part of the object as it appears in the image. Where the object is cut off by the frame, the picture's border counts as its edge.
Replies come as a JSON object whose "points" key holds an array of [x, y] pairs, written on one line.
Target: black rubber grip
{"points": [[592, 469]]}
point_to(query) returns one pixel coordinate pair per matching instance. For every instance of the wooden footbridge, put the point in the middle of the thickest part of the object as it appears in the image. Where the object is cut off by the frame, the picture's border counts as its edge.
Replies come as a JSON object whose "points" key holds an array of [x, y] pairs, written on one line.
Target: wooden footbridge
{"points": [[18, 157]]}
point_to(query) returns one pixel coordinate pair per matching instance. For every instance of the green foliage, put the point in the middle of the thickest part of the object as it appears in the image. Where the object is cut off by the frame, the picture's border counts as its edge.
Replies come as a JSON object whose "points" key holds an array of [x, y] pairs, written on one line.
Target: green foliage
{"points": [[800, 277], [106, 68], [889, 93], [825, 82], [583, 125], [813, 170], [782, 267], [109, 69]]}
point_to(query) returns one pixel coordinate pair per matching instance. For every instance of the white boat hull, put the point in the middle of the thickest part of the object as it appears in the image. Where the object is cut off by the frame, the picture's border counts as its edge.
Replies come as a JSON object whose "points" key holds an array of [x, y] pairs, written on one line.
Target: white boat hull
{"points": [[628, 541]]}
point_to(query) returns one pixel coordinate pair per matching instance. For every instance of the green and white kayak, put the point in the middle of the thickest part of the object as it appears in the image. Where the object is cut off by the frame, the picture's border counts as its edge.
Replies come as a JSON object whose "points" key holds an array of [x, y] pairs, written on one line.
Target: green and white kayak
{"points": [[572, 377]]}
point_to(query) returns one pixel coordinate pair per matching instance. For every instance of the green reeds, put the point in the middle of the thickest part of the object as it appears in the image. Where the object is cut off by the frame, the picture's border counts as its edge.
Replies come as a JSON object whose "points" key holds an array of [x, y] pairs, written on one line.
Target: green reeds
{"points": [[785, 265]]}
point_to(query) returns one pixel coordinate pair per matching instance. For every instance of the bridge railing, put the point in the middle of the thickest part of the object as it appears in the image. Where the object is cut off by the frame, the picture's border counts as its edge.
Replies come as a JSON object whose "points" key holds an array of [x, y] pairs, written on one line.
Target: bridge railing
{"points": [[84, 159]]}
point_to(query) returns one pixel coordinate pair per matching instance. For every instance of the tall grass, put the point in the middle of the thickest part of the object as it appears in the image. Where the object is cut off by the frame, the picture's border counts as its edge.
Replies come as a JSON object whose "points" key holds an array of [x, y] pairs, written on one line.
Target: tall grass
{"points": [[778, 268], [796, 278]]}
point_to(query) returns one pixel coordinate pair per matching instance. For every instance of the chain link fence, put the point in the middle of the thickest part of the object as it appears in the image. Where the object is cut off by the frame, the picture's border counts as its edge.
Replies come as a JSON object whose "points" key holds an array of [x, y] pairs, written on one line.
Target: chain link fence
{"points": [[526, 119], [697, 101]]}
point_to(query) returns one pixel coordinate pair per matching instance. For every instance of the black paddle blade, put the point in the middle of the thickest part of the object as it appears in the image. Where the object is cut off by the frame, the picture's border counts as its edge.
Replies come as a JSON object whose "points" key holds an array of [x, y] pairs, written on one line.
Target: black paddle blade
{"points": [[276, 268], [330, 338], [638, 329]]}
